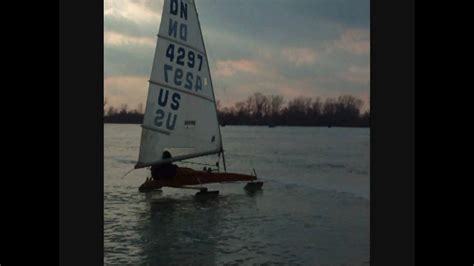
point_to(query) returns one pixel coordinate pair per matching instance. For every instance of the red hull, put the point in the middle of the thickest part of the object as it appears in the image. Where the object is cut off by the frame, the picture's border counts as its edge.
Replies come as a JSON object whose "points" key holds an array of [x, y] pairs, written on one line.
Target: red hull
{"points": [[188, 177]]}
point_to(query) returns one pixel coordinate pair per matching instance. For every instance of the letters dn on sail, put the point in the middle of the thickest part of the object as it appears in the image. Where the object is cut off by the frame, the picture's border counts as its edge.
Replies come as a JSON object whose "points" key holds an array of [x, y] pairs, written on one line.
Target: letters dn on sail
{"points": [[177, 29], [164, 99]]}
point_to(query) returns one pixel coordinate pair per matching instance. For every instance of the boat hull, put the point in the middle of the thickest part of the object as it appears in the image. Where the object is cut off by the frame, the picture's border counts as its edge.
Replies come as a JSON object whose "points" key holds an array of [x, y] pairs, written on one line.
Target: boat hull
{"points": [[189, 177]]}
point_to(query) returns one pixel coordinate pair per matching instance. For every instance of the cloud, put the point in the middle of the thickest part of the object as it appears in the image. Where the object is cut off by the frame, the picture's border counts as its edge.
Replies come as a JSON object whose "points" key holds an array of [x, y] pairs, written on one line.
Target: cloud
{"points": [[226, 68], [316, 48], [300, 56], [357, 74], [130, 90], [136, 11], [118, 39], [356, 41], [131, 60]]}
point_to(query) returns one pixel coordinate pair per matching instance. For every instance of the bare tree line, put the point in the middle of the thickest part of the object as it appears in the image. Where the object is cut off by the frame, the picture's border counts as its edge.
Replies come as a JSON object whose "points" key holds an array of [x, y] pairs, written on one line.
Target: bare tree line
{"points": [[123, 115], [271, 110]]}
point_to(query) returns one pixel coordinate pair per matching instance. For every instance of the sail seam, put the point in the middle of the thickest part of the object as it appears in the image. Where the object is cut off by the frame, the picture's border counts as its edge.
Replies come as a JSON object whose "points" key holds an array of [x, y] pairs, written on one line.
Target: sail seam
{"points": [[180, 90], [180, 43], [156, 130]]}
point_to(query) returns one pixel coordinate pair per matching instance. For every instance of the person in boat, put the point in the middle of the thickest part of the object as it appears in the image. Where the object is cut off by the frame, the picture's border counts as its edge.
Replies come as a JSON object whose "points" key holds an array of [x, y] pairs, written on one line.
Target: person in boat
{"points": [[163, 171]]}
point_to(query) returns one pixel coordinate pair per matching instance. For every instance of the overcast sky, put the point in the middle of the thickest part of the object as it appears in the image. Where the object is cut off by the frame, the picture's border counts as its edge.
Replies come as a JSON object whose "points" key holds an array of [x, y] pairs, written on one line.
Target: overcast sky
{"points": [[286, 47]]}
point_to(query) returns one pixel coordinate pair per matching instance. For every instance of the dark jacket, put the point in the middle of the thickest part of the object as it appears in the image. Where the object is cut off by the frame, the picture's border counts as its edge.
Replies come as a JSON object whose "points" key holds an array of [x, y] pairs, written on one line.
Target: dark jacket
{"points": [[167, 170]]}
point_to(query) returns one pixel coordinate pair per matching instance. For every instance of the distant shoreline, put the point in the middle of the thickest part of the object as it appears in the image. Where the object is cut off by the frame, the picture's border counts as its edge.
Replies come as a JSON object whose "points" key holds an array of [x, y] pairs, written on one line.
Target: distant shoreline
{"points": [[271, 111], [129, 123]]}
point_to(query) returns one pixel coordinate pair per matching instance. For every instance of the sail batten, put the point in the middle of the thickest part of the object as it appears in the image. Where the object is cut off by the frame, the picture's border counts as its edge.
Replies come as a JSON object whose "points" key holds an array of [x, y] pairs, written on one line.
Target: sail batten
{"points": [[180, 43], [180, 90], [156, 130], [181, 107]]}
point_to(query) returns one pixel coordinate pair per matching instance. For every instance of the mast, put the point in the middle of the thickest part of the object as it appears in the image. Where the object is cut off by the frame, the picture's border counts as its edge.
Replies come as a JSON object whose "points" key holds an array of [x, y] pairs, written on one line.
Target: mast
{"points": [[212, 85], [223, 160]]}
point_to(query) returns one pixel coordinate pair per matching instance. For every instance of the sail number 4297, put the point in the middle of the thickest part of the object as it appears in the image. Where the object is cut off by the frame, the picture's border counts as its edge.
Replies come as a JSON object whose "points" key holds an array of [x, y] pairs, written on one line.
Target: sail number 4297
{"points": [[191, 59]]}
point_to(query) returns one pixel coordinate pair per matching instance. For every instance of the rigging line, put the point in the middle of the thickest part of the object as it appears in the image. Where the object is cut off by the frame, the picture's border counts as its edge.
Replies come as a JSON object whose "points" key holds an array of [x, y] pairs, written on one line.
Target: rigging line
{"points": [[199, 163], [127, 173]]}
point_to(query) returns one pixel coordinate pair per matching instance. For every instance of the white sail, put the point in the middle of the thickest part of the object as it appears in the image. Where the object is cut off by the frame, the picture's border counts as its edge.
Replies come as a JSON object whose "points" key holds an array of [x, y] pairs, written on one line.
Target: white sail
{"points": [[180, 114]]}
